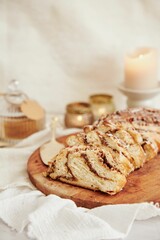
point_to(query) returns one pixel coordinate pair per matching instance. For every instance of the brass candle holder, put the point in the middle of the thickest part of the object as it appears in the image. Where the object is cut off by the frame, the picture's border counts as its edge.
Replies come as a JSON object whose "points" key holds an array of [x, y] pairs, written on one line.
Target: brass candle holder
{"points": [[101, 104], [78, 114]]}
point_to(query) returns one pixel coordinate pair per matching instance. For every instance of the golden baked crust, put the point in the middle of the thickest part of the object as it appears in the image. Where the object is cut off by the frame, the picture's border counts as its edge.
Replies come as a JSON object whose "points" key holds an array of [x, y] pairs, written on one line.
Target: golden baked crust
{"points": [[102, 156], [87, 167]]}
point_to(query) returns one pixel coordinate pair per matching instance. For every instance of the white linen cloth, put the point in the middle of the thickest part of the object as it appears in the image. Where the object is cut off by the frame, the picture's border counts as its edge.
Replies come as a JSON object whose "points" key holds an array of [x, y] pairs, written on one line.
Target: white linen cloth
{"points": [[23, 208]]}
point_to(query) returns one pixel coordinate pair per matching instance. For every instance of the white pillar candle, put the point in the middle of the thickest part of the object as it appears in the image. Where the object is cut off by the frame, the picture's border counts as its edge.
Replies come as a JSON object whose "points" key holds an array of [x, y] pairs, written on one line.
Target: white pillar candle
{"points": [[141, 69]]}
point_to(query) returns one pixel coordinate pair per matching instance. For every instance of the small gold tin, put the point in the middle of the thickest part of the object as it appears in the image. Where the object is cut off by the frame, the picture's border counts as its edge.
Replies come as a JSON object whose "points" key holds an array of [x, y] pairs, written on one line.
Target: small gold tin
{"points": [[78, 114], [101, 104]]}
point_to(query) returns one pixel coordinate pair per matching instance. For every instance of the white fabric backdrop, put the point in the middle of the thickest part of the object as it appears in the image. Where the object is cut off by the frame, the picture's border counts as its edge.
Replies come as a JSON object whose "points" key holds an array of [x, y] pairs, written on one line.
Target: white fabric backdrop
{"points": [[62, 51]]}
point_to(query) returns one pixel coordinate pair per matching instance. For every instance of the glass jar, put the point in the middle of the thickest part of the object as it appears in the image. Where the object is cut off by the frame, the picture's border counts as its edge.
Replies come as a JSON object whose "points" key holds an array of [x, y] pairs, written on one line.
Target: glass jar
{"points": [[78, 114], [14, 124], [101, 104]]}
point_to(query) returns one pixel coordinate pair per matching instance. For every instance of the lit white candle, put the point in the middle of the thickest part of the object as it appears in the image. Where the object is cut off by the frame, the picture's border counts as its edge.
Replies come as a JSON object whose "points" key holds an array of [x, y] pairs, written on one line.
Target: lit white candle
{"points": [[141, 69]]}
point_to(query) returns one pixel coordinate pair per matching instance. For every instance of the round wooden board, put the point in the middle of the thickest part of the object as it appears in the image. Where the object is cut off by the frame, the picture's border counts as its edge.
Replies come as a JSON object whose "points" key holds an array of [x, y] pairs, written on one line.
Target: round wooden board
{"points": [[143, 185]]}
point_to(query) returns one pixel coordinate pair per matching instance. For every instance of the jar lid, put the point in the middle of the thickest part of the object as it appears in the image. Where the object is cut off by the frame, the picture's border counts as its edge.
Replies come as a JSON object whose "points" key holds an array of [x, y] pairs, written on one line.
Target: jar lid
{"points": [[11, 100]]}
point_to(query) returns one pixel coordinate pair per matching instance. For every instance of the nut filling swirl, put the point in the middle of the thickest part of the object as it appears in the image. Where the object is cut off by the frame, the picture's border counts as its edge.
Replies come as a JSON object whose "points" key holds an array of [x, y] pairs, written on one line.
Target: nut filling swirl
{"points": [[105, 153]]}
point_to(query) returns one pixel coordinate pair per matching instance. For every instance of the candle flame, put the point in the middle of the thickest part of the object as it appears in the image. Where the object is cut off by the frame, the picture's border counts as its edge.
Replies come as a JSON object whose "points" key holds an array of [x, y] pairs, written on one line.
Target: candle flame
{"points": [[79, 118], [141, 56]]}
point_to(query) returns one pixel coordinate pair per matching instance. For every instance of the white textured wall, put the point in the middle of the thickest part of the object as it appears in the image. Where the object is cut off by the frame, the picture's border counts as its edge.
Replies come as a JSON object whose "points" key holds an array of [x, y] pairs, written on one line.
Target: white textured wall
{"points": [[65, 50]]}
